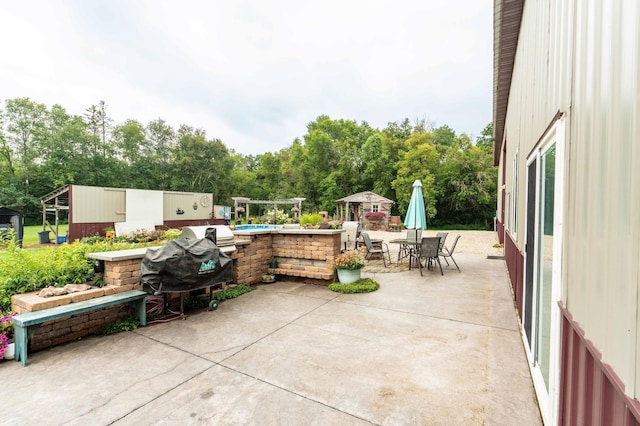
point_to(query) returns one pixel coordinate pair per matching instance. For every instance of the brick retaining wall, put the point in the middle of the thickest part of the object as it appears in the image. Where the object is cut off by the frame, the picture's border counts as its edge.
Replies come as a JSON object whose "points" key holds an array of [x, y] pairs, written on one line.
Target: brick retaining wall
{"points": [[306, 255]]}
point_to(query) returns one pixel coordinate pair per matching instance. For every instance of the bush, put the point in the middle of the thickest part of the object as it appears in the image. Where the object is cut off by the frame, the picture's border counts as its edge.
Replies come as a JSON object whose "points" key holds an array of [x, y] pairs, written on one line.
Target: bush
{"points": [[231, 292], [127, 324], [311, 219], [23, 271], [363, 285], [281, 217]]}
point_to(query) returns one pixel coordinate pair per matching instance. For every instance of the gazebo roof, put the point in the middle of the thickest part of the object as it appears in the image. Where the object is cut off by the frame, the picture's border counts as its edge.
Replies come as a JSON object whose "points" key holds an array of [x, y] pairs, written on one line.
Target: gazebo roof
{"points": [[365, 197]]}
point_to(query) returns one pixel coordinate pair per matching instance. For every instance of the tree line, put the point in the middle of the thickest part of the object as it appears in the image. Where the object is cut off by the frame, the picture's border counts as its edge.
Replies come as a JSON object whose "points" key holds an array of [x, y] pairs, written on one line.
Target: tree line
{"points": [[44, 148]]}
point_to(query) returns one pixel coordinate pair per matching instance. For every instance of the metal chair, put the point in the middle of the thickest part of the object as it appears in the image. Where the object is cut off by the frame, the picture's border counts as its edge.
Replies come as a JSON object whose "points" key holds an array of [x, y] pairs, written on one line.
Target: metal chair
{"points": [[414, 236], [448, 253], [427, 250], [382, 249], [443, 237]]}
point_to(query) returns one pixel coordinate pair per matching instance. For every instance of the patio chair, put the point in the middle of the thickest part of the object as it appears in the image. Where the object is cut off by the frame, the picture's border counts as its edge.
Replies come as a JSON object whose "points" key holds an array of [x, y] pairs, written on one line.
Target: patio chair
{"points": [[442, 236], [414, 236], [350, 236], [381, 248], [394, 224], [427, 250], [445, 252]]}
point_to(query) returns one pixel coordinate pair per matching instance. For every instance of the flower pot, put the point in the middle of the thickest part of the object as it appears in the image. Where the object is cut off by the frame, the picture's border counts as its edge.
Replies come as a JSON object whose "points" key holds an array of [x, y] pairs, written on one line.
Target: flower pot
{"points": [[348, 276], [10, 352]]}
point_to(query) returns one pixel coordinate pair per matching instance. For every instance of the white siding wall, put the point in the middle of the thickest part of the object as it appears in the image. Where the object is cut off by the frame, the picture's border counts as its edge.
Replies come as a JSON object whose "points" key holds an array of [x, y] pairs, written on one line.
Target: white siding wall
{"points": [[598, 43], [604, 217], [185, 202]]}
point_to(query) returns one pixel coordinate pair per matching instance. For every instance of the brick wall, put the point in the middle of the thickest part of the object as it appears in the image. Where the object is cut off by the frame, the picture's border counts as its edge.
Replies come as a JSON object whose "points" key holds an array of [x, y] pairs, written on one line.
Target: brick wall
{"points": [[75, 327], [251, 259], [304, 256]]}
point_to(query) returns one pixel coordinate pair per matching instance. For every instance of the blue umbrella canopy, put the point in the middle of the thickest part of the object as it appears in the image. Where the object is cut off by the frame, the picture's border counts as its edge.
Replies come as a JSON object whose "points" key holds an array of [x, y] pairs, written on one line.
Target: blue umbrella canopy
{"points": [[416, 217]]}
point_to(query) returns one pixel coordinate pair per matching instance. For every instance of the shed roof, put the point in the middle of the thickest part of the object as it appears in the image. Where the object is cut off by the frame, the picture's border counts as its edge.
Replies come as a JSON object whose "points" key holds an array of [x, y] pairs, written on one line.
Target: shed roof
{"points": [[7, 211], [365, 197]]}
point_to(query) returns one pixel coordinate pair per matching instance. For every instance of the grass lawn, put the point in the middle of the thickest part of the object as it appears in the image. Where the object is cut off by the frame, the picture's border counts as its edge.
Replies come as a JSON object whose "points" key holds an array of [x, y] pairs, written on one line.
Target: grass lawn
{"points": [[31, 237]]}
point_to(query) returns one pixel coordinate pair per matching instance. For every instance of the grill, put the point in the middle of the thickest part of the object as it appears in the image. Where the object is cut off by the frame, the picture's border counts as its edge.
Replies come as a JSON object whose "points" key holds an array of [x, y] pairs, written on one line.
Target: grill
{"points": [[224, 237]]}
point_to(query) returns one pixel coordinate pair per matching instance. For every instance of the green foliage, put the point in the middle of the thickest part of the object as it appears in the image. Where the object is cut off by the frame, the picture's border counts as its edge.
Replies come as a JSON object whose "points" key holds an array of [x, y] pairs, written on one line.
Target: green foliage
{"points": [[281, 217], [44, 148], [311, 219], [126, 324], [363, 285], [171, 234], [22, 271], [231, 292]]}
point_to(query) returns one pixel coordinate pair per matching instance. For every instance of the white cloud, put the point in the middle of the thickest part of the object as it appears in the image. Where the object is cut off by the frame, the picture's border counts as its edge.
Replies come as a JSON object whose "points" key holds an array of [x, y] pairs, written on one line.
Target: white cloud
{"points": [[254, 73]]}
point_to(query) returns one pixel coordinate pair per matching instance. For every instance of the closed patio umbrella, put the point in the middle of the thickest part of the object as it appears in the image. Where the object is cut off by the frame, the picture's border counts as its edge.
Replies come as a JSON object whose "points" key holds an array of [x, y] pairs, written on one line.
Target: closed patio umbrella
{"points": [[416, 217]]}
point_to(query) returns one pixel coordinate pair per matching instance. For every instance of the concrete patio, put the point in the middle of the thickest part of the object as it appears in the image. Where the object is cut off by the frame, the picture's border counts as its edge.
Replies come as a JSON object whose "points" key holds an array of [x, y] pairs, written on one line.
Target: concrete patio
{"points": [[421, 350]]}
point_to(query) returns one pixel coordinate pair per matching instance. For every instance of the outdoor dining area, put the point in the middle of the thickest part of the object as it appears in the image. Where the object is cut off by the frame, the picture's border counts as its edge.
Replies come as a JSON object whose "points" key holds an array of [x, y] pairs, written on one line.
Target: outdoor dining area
{"points": [[417, 249]]}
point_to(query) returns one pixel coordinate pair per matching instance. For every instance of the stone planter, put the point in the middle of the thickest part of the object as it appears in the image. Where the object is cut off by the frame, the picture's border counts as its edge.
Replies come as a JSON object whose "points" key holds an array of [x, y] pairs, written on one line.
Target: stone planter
{"points": [[348, 276]]}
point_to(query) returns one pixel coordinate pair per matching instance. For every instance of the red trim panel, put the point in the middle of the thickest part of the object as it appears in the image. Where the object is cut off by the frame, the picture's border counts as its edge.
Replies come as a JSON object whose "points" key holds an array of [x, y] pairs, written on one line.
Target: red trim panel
{"points": [[590, 391], [500, 231], [515, 264]]}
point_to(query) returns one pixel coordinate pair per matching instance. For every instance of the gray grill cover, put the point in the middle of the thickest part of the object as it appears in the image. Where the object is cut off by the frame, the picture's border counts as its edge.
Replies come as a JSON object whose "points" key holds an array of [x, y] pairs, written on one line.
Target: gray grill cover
{"points": [[185, 265]]}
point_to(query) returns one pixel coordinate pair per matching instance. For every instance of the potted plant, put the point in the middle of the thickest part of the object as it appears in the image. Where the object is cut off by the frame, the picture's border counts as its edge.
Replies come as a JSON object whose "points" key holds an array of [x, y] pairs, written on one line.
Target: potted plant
{"points": [[348, 265], [273, 262], [7, 346], [109, 233], [375, 215]]}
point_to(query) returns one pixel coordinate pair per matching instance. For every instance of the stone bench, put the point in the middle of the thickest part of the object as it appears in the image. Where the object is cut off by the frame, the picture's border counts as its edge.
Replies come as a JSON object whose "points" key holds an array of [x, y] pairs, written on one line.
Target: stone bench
{"points": [[24, 323]]}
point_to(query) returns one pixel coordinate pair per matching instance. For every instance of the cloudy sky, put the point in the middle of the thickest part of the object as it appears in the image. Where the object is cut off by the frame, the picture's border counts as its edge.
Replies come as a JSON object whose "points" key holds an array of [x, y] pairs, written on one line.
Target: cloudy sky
{"points": [[254, 73]]}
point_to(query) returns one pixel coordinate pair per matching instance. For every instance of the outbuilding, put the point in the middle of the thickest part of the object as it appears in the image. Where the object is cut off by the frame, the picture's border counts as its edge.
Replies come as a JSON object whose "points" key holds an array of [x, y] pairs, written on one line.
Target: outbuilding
{"points": [[12, 219], [97, 210]]}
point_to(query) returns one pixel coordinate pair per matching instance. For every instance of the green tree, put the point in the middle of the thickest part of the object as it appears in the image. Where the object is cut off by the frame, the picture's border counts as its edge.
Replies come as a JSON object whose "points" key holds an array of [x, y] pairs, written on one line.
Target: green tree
{"points": [[420, 161]]}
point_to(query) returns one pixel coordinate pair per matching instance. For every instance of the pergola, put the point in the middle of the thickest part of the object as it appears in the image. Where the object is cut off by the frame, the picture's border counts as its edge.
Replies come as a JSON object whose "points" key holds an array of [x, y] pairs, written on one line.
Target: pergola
{"points": [[238, 201]]}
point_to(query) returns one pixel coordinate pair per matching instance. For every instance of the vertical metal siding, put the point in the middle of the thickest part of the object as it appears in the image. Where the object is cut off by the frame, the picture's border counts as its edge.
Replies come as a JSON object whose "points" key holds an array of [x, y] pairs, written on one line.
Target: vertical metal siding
{"points": [[515, 263], [582, 57], [603, 215], [92, 204], [592, 394], [184, 201]]}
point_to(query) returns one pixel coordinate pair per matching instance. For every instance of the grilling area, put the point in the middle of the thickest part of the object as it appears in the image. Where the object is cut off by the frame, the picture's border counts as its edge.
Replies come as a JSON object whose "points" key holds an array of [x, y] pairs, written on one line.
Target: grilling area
{"points": [[305, 255]]}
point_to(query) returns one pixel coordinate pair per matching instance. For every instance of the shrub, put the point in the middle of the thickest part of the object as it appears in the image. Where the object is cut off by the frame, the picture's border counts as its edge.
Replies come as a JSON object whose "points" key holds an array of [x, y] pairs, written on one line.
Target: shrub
{"points": [[363, 285], [281, 217], [311, 219], [127, 324], [231, 292]]}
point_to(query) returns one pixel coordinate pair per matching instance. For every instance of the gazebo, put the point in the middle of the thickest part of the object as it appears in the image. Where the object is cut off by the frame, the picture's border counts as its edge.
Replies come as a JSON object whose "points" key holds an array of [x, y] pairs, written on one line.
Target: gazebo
{"points": [[356, 206]]}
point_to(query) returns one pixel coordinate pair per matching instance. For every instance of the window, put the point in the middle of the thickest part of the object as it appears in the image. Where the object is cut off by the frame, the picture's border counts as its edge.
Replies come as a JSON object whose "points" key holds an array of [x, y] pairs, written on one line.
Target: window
{"points": [[514, 191], [375, 207]]}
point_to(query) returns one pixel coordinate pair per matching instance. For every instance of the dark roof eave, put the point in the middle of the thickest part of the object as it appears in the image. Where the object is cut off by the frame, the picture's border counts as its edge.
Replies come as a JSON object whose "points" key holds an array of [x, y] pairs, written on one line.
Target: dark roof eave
{"points": [[506, 30]]}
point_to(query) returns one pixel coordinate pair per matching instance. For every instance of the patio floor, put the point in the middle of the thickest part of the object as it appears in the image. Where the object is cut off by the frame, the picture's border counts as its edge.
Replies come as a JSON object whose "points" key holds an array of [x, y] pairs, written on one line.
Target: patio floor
{"points": [[421, 350]]}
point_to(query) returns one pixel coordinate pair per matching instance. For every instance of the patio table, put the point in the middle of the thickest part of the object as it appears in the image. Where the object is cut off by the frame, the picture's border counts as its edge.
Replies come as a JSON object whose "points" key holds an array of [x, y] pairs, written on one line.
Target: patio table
{"points": [[404, 247]]}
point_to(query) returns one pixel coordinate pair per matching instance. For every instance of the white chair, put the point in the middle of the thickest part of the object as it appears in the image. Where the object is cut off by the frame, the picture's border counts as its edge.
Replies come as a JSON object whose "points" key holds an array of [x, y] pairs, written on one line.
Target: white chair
{"points": [[349, 237]]}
